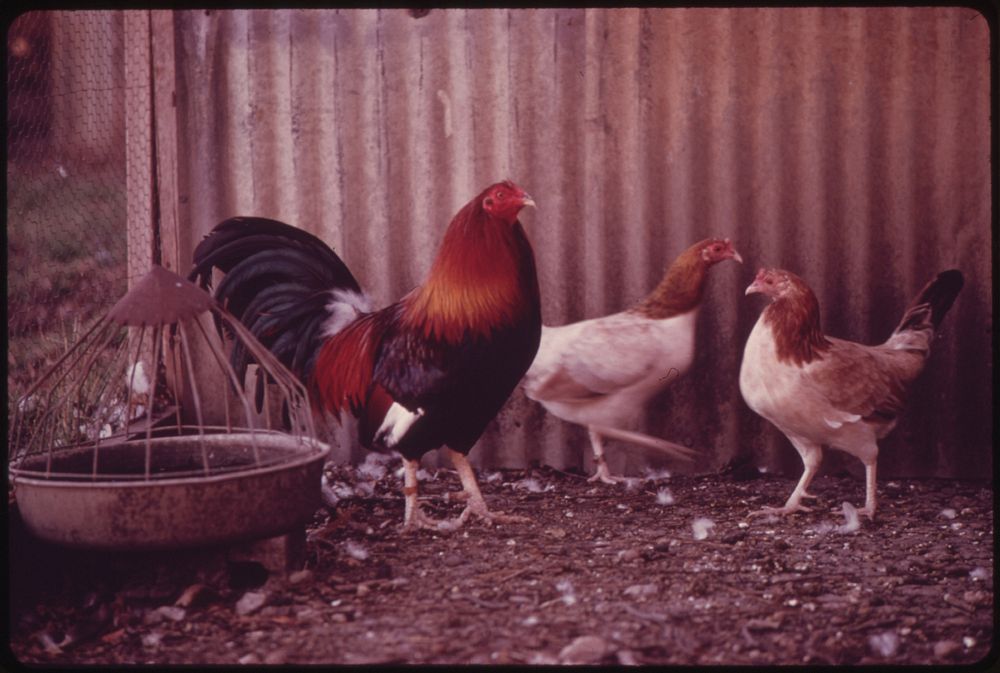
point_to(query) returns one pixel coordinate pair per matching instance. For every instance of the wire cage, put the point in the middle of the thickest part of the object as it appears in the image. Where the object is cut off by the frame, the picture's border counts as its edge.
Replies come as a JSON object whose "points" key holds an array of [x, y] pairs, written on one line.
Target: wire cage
{"points": [[122, 444]]}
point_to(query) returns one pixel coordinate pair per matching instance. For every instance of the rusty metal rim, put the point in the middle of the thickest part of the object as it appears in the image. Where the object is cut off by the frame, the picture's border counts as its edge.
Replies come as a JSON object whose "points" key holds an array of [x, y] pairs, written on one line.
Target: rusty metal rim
{"points": [[63, 480]]}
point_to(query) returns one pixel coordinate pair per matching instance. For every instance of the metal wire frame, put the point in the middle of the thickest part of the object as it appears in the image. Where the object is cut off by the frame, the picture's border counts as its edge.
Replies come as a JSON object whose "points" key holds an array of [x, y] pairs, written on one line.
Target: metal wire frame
{"points": [[74, 408]]}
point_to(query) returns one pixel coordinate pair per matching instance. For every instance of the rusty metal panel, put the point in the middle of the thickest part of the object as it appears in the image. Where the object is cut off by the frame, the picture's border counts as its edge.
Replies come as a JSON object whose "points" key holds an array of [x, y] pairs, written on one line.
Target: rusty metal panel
{"points": [[850, 145]]}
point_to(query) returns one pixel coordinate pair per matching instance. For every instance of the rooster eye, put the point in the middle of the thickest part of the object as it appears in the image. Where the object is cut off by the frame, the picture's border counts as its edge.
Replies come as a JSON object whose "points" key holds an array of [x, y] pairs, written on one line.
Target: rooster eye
{"points": [[499, 196]]}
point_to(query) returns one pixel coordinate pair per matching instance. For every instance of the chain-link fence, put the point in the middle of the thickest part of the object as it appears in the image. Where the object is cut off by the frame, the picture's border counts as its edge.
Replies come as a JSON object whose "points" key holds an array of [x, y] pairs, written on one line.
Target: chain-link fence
{"points": [[67, 198]]}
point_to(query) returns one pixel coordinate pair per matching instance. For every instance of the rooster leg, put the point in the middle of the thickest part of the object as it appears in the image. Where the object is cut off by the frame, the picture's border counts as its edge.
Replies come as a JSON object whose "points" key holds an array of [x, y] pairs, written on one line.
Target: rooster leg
{"points": [[477, 505], [414, 517], [457, 496], [602, 473], [812, 455]]}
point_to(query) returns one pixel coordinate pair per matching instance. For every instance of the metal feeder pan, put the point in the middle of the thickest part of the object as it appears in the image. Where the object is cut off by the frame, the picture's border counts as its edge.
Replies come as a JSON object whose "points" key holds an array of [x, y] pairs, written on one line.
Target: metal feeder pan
{"points": [[124, 511]]}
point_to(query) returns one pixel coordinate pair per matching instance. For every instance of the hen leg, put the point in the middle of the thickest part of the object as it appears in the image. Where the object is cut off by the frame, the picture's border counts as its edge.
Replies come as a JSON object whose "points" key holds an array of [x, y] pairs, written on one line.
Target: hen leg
{"points": [[602, 473], [414, 517], [812, 456], [869, 508], [477, 505]]}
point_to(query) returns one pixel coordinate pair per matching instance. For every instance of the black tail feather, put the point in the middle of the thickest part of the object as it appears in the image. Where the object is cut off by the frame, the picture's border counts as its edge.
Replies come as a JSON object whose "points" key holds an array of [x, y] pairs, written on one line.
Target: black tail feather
{"points": [[937, 296], [278, 282]]}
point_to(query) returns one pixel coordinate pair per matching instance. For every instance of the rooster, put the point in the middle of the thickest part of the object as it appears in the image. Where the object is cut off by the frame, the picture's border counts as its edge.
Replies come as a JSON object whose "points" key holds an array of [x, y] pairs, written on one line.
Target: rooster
{"points": [[430, 370], [820, 390], [601, 372]]}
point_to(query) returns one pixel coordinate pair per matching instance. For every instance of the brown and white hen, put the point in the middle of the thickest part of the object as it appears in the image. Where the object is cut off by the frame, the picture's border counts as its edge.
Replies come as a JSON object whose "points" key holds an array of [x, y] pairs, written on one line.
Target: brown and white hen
{"points": [[820, 390]]}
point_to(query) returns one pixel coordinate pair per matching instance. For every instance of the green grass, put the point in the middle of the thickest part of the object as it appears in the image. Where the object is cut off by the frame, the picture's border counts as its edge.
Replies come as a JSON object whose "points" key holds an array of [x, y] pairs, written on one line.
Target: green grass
{"points": [[66, 247]]}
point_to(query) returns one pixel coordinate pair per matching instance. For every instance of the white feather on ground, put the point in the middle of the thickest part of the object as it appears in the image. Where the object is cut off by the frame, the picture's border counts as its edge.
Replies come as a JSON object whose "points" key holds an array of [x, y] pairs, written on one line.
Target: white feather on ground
{"points": [[701, 527]]}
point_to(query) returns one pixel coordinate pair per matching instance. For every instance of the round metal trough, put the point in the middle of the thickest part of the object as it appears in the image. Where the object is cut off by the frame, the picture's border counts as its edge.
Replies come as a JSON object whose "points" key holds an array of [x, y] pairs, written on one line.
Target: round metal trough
{"points": [[246, 493]]}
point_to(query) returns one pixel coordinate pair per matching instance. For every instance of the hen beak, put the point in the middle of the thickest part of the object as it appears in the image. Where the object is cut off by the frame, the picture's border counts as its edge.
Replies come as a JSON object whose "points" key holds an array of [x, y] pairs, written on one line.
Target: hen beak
{"points": [[752, 288]]}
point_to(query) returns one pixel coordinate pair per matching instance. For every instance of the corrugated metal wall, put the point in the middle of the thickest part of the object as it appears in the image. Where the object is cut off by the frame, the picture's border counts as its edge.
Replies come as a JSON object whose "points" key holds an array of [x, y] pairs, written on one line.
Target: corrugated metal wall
{"points": [[849, 145]]}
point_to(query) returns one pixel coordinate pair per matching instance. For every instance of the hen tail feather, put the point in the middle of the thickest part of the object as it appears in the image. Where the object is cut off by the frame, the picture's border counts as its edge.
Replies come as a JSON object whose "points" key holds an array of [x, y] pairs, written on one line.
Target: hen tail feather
{"points": [[928, 309], [655, 443]]}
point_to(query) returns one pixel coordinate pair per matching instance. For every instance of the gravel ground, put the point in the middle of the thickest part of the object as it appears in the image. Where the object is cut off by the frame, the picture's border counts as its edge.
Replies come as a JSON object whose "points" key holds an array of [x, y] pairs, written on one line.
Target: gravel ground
{"points": [[662, 570]]}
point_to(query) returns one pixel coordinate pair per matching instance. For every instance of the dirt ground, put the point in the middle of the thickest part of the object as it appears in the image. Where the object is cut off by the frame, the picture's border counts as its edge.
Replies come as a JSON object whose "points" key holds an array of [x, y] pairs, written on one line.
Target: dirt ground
{"points": [[602, 574]]}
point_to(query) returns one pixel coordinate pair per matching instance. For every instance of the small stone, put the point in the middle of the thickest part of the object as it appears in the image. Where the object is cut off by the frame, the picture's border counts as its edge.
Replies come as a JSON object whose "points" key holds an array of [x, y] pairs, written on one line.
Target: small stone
{"points": [[276, 658], [307, 614], [629, 555], [452, 560], [641, 590], [162, 613], [194, 594], [249, 659], [584, 650], [542, 659], [626, 658], [945, 648], [300, 576], [174, 614], [251, 602], [976, 597]]}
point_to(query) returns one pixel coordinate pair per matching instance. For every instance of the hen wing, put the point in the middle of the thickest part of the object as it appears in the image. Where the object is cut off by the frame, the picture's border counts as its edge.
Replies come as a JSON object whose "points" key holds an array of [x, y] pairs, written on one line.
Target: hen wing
{"points": [[594, 358], [862, 382]]}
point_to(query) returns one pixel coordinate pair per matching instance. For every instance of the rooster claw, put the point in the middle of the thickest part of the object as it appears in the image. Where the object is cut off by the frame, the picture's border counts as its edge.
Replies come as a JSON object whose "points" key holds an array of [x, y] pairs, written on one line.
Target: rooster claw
{"points": [[420, 521], [780, 511], [480, 510]]}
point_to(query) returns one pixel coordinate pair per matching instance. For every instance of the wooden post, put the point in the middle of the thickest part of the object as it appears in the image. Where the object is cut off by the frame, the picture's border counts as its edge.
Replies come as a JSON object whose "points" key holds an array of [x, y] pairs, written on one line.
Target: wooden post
{"points": [[138, 146], [165, 125]]}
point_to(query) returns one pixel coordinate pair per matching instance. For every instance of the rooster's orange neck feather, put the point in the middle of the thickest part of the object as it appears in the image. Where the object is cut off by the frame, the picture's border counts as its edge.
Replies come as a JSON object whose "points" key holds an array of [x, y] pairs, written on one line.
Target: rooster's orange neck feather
{"points": [[482, 279]]}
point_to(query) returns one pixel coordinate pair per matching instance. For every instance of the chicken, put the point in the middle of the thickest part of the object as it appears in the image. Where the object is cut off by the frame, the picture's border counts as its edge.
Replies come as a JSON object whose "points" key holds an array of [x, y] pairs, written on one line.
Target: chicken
{"points": [[820, 390], [601, 372], [430, 370]]}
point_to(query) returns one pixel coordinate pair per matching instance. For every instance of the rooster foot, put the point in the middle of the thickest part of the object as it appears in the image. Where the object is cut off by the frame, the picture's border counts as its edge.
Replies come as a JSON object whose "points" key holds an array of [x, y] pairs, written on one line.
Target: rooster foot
{"points": [[781, 511], [479, 509], [419, 520]]}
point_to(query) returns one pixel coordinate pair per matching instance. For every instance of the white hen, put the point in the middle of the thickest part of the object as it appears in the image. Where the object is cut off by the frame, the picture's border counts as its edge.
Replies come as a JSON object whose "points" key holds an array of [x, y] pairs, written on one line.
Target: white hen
{"points": [[601, 372]]}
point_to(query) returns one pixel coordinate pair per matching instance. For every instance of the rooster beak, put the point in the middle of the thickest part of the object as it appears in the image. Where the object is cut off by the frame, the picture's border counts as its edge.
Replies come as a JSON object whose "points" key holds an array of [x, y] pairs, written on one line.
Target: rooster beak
{"points": [[527, 201], [736, 256]]}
